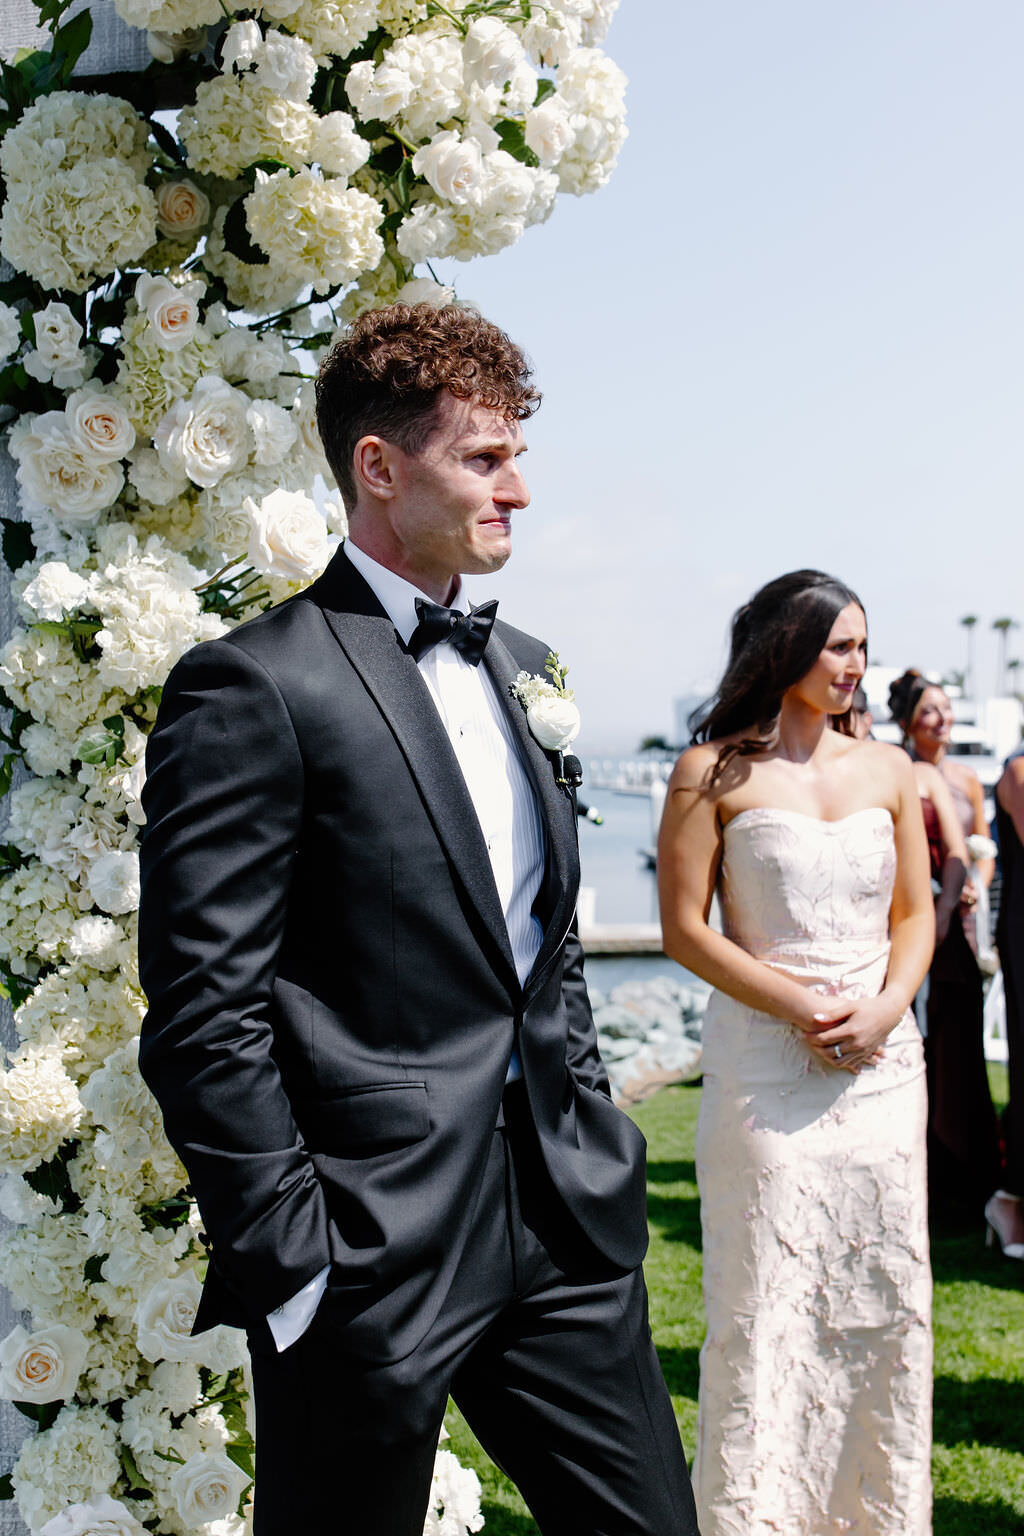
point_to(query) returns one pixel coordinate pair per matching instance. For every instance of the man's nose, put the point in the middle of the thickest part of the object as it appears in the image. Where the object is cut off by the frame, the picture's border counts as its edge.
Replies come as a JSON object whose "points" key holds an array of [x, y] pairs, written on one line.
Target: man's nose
{"points": [[512, 488]]}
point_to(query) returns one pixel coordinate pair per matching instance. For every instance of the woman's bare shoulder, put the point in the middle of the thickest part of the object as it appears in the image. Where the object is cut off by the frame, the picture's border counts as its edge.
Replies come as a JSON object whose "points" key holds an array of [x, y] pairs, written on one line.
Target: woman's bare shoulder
{"points": [[695, 766]]}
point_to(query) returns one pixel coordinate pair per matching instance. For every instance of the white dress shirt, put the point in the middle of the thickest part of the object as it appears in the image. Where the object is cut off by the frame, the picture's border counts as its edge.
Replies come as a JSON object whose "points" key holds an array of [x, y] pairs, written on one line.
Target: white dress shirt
{"points": [[483, 741]]}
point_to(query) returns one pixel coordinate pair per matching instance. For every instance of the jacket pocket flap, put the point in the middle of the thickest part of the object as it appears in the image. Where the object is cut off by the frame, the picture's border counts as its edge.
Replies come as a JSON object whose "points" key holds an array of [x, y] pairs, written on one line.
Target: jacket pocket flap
{"points": [[374, 1118]]}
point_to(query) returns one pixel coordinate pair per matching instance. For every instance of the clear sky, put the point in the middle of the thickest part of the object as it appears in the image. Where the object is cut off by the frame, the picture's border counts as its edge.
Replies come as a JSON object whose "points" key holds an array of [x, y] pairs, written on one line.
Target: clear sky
{"points": [[788, 332]]}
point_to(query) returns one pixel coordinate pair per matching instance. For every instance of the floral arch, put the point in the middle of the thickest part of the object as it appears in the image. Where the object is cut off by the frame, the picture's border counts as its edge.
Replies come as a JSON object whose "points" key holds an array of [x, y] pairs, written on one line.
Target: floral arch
{"points": [[185, 241]]}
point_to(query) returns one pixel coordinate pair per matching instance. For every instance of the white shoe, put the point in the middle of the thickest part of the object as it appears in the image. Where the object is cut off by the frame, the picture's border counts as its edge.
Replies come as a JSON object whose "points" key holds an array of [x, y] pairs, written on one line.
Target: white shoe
{"points": [[997, 1231]]}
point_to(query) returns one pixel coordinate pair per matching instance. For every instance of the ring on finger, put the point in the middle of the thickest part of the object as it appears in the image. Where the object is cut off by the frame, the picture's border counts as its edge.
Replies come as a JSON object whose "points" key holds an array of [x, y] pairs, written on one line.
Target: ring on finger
{"points": [[837, 1053]]}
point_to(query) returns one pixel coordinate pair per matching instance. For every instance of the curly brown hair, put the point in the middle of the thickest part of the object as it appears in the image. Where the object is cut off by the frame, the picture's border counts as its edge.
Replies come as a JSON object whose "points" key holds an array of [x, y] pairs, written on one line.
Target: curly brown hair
{"points": [[388, 372]]}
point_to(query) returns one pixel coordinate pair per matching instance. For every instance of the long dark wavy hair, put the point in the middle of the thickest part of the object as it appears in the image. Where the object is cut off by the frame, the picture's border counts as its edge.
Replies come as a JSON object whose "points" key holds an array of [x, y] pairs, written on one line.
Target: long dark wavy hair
{"points": [[776, 639]]}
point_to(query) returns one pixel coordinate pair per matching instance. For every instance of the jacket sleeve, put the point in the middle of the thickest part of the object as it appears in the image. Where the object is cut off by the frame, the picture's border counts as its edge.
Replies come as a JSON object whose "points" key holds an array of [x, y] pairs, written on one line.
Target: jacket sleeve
{"points": [[581, 1051], [223, 802]]}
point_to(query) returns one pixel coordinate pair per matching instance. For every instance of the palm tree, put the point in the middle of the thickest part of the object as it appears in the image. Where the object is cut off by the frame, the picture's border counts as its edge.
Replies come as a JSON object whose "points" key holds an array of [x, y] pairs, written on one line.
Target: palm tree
{"points": [[1002, 628], [968, 621], [1012, 666]]}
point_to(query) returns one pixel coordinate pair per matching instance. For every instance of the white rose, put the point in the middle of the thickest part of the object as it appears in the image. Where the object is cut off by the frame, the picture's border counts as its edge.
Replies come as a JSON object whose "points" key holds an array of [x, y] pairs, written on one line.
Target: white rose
{"points": [[241, 46], [491, 52], [99, 425], [172, 312], [288, 535], [58, 355], [164, 1318], [206, 436], [56, 590], [428, 233], [451, 166], [549, 131], [182, 209], [56, 473], [423, 290], [554, 722], [102, 1516], [10, 332], [114, 882], [274, 431], [208, 1487], [41, 1367]]}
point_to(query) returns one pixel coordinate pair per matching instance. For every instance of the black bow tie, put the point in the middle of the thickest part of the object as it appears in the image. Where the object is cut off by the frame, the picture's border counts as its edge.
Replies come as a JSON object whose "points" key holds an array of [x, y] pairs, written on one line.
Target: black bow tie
{"points": [[467, 632]]}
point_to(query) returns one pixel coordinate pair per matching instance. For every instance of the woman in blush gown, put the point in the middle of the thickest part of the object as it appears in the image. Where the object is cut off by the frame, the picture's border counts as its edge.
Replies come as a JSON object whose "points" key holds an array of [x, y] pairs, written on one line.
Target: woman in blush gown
{"points": [[815, 1393]]}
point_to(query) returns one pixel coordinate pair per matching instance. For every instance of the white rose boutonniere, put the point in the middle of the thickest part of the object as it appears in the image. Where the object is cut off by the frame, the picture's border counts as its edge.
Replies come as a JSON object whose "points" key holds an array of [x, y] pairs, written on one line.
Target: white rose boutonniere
{"points": [[551, 711]]}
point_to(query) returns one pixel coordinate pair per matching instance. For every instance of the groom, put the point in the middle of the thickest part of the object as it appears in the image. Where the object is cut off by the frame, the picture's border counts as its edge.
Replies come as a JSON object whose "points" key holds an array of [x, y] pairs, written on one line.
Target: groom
{"points": [[368, 1028]]}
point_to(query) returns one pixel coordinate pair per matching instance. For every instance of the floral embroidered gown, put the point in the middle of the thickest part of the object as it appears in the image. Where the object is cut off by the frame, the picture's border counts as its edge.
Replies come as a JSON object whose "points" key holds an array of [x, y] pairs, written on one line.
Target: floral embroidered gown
{"points": [[815, 1395]]}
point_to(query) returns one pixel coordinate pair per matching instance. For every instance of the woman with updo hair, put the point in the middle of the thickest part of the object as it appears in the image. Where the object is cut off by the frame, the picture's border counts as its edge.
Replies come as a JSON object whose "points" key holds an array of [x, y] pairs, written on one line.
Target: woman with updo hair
{"points": [[815, 1390], [963, 1136]]}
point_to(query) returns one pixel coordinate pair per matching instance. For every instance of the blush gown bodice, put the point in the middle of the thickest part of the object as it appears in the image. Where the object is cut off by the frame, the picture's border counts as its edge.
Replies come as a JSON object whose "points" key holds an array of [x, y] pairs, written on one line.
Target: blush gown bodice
{"points": [[815, 1395]]}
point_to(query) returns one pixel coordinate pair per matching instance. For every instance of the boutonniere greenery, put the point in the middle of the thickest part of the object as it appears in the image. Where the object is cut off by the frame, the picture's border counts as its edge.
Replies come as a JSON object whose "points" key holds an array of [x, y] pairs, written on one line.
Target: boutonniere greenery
{"points": [[551, 714]]}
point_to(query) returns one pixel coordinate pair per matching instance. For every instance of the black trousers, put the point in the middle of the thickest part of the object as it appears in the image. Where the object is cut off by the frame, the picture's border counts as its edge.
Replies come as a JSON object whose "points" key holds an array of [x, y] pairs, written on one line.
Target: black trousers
{"points": [[553, 1368]]}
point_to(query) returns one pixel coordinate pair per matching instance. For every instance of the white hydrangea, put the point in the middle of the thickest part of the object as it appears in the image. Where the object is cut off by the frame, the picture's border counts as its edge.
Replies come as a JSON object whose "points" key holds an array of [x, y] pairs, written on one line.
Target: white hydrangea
{"points": [[37, 908], [253, 358], [113, 882], [313, 229], [65, 228], [39, 1107], [128, 1122], [177, 1384], [419, 83], [426, 234], [133, 1257], [65, 128], [592, 88], [274, 430], [154, 481], [336, 147], [150, 379], [87, 1013], [21, 1205], [236, 120], [42, 1267], [74, 1461], [258, 287], [511, 197], [454, 1508], [42, 674], [331, 27]]}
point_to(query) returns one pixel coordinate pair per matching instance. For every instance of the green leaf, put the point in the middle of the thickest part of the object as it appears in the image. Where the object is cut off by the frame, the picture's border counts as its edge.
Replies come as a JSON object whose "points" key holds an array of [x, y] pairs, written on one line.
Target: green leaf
{"points": [[513, 141], [81, 633], [53, 1180], [10, 858], [167, 142], [93, 1270], [70, 41], [168, 1214], [51, 11], [16, 989], [241, 1455], [6, 1487], [7, 779], [43, 1415], [134, 1478], [17, 543], [237, 239], [545, 88]]}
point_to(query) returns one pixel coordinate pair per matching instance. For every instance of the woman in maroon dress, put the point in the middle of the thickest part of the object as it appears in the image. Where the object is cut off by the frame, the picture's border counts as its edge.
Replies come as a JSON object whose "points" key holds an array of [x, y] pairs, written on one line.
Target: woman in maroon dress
{"points": [[963, 1136]]}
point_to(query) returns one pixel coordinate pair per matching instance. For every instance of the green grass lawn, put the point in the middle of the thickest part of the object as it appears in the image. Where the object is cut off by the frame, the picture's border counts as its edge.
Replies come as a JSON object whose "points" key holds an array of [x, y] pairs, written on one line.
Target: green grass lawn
{"points": [[978, 1460]]}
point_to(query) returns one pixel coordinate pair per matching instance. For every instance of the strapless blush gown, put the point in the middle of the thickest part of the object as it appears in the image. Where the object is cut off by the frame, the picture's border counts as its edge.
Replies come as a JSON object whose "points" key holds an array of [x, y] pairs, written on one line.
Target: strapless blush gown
{"points": [[815, 1391]]}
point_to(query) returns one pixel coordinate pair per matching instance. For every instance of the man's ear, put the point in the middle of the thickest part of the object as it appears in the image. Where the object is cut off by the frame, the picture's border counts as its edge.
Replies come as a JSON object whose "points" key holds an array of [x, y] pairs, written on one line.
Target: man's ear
{"points": [[373, 465]]}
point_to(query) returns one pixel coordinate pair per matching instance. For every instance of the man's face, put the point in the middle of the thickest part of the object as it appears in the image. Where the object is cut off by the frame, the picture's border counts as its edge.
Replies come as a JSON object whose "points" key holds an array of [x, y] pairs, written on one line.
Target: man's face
{"points": [[451, 511]]}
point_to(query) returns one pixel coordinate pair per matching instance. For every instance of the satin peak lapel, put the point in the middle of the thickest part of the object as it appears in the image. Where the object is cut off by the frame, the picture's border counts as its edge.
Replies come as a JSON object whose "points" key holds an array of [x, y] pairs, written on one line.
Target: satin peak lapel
{"points": [[557, 806], [390, 674]]}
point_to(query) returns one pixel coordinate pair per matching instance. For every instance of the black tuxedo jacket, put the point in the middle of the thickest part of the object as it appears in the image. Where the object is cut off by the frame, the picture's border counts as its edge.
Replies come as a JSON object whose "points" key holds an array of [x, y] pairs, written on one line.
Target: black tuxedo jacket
{"points": [[332, 996]]}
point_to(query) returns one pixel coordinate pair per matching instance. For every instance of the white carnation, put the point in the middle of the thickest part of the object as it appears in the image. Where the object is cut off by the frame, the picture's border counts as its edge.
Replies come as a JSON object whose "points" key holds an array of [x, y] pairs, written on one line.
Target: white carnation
{"points": [[94, 939], [41, 1367], [56, 590], [114, 882], [288, 536], [208, 1487]]}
